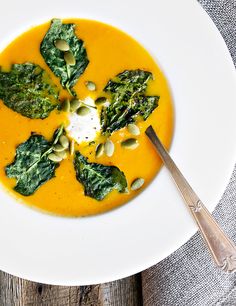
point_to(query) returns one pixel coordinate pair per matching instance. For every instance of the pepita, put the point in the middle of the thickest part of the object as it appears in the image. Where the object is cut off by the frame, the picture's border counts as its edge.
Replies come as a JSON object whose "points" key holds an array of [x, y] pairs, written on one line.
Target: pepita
{"points": [[37, 70], [58, 148], [61, 154], [74, 105], [54, 157], [62, 45], [137, 183], [133, 129], [64, 141], [66, 105], [72, 147], [69, 58], [109, 148], [90, 85], [100, 100], [130, 143], [83, 111], [99, 150]]}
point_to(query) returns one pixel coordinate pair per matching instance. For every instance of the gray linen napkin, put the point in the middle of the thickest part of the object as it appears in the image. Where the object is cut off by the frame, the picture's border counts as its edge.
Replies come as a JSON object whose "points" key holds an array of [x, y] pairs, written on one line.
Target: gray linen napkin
{"points": [[188, 276]]}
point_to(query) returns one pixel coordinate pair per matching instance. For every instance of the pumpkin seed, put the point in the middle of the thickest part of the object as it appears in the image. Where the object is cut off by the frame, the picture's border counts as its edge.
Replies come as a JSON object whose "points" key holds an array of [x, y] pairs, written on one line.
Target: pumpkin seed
{"points": [[130, 143], [137, 183], [90, 85], [133, 129], [58, 148], [74, 105], [69, 58], [109, 148], [61, 154], [37, 70], [83, 111], [54, 158], [100, 100], [72, 147], [62, 45], [99, 150], [64, 141], [66, 105]]}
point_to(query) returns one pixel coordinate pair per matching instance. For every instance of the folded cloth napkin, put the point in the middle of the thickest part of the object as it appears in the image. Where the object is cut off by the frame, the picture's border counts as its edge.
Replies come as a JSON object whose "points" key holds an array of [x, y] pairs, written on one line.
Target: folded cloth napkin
{"points": [[188, 276]]}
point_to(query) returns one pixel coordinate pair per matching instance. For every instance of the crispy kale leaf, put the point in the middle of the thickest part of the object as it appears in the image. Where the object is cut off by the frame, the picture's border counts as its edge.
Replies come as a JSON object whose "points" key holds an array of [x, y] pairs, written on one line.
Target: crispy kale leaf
{"points": [[31, 167], [28, 90], [55, 58], [128, 100], [98, 180]]}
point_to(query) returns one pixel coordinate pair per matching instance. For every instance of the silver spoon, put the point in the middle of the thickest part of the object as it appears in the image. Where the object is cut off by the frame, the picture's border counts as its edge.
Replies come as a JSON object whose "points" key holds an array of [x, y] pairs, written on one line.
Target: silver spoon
{"points": [[222, 249]]}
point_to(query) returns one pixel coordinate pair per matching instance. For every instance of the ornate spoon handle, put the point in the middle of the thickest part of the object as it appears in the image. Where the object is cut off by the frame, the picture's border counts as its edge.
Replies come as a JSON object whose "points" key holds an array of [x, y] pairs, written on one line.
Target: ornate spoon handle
{"points": [[222, 249]]}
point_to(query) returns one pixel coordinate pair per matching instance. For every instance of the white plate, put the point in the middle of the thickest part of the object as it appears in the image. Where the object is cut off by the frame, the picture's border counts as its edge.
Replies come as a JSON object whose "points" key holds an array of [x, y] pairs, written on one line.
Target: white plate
{"points": [[201, 74]]}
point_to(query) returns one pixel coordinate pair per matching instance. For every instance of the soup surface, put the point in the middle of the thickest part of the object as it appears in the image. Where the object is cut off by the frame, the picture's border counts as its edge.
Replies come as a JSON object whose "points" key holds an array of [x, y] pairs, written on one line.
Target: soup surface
{"points": [[110, 52]]}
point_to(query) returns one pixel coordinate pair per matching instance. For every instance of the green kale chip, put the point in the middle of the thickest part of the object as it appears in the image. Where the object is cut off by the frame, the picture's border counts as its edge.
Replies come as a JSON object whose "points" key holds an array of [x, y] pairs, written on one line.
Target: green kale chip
{"points": [[128, 100], [55, 57], [28, 90], [98, 180], [31, 167]]}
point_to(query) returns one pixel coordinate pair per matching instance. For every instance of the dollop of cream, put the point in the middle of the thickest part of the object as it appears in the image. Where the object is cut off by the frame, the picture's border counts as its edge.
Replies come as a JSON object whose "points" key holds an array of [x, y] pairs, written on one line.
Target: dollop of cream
{"points": [[84, 128]]}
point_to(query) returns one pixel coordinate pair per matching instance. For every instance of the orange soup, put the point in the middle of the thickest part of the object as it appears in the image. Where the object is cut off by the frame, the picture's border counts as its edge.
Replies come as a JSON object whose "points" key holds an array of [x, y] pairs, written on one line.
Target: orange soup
{"points": [[110, 52]]}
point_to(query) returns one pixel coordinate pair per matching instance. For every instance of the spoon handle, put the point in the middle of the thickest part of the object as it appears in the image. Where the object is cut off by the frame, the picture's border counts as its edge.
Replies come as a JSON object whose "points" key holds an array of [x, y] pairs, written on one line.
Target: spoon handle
{"points": [[222, 249]]}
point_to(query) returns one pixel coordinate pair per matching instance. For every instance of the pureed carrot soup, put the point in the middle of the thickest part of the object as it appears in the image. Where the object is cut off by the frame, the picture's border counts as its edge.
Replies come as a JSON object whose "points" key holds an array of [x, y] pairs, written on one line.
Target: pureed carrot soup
{"points": [[76, 98]]}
